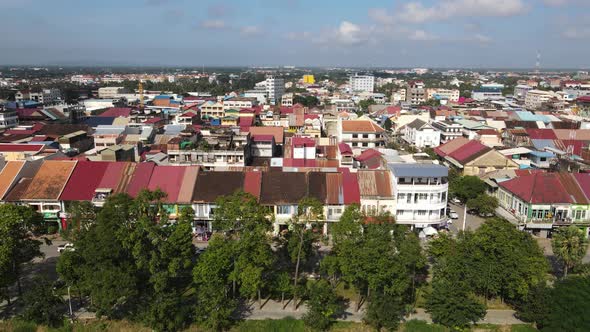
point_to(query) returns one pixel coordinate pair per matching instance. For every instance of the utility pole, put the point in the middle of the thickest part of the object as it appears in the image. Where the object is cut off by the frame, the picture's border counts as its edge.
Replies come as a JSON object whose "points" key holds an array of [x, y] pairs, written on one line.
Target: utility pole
{"points": [[70, 304], [464, 215]]}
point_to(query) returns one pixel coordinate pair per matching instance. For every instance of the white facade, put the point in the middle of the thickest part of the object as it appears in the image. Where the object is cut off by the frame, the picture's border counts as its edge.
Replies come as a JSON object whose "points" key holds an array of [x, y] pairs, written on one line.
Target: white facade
{"points": [[422, 136], [239, 103], [520, 91], [275, 88], [535, 98], [8, 119], [287, 100], [110, 92], [421, 192], [447, 94], [362, 83]]}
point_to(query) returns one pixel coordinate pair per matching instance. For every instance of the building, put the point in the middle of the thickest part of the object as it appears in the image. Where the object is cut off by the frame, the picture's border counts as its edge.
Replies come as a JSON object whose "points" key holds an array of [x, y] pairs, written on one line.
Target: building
{"points": [[443, 94], [471, 157], [421, 134], [416, 93], [491, 92], [361, 134], [238, 103], [287, 100], [448, 130], [212, 109], [535, 98], [421, 192], [8, 118], [275, 88], [45, 96], [521, 90], [308, 79], [362, 83], [110, 92]]}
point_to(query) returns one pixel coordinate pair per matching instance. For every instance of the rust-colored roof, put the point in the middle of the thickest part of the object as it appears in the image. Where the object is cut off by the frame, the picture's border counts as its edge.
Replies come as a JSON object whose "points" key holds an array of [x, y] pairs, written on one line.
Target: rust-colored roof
{"points": [[187, 188], [573, 134], [318, 186], [8, 176], [334, 189], [277, 132], [50, 180], [374, 183], [16, 193], [252, 183], [450, 146], [360, 126], [211, 185], [573, 188], [283, 188]]}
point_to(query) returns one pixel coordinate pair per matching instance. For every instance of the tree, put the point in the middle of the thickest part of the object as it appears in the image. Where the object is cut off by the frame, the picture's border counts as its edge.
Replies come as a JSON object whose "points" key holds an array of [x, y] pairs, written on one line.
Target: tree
{"points": [[81, 216], [388, 124], [42, 305], [322, 307], [430, 152], [484, 204], [467, 187], [452, 305], [283, 285], [16, 243], [569, 245], [569, 306], [307, 101], [384, 312], [535, 308], [364, 104], [309, 212]]}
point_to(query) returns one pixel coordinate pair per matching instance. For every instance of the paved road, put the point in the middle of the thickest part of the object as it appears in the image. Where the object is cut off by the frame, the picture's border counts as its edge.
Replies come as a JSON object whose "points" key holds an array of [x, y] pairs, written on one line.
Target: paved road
{"points": [[473, 222]]}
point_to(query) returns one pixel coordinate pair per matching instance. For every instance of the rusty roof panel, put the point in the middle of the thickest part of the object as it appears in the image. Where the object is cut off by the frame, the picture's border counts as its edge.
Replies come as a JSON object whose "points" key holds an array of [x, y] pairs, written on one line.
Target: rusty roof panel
{"points": [[211, 185], [335, 192], [185, 194], [252, 183], [374, 183], [8, 176], [50, 180], [16, 193], [317, 186], [283, 188]]}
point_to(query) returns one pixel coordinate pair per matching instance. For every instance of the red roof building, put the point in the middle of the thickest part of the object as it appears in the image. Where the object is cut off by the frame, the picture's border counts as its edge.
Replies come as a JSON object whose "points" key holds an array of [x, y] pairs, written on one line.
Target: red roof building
{"points": [[168, 179], [140, 178], [124, 112], [84, 180], [538, 188]]}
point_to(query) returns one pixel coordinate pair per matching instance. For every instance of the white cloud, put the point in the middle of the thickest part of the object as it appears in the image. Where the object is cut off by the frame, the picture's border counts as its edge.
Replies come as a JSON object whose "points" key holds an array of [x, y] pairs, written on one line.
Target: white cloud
{"points": [[213, 24], [417, 12], [555, 2], [348, 33], [250, 30], [421, 35], [298, 36]]}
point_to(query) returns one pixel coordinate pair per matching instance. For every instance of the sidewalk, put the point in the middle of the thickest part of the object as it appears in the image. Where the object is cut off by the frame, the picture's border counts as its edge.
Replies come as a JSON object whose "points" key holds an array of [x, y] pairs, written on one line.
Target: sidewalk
{"points": [[495, 317]]}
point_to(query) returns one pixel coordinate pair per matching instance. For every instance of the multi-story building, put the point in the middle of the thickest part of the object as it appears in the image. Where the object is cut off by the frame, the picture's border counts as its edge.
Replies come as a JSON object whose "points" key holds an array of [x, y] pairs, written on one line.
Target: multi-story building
{"points": [[287, 100], [308, 79], [110, 92], [535, 98], [8, 118], [487, 93], [45, 96], [360, 134], [275, 88], [211, 109], [448, 130], [521, 90], [362, 83], [443, 94], [238, 103], [421, 134], [421, 192], [416, 93]]}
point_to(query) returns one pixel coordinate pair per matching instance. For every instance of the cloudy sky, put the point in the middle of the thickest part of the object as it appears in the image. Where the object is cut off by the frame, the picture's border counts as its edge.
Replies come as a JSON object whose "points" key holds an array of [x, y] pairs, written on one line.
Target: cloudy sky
{"points": [[392, 33]]}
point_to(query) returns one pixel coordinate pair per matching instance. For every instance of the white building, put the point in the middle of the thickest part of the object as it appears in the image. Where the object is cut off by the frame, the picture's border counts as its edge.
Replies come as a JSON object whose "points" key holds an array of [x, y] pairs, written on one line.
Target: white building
{"points": [[360, 134], [421, 192], [443, 94], [238, 103], [448, 130], [287, 100], [45, 96], [110, 92], [521, 90], [8, 118], [362, 83], [275, 88], [535, 98], [421, 134]]}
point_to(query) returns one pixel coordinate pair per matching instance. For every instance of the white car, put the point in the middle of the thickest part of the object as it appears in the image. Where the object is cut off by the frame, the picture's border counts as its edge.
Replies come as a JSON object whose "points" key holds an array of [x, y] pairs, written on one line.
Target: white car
{"points": [[453, 215], [456, 200], [65, 247]]}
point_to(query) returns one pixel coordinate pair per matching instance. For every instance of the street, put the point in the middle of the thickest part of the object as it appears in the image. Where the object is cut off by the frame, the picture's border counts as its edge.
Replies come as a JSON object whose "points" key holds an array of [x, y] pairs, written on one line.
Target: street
{"points": [[473, 222]]}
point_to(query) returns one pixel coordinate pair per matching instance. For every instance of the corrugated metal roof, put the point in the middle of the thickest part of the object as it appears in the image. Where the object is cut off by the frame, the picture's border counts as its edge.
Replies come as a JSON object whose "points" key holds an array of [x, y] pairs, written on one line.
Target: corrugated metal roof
{"points": [[572, 187], [538, 188], [252, 183], [140, 178], [541, 133], [318, 186], [17, 192], [84, 180], [450, 146], [283, 188], [211, 185], [419, 170], [469, 151], [169, 180], [187, 188], [374, 183], [334, 189], [50, 180], [8, 176], [351, 187]]}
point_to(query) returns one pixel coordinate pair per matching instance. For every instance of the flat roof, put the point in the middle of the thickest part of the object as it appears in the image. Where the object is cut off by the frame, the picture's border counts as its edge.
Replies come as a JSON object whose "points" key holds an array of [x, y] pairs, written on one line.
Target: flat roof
{"points": [[418, 170]]}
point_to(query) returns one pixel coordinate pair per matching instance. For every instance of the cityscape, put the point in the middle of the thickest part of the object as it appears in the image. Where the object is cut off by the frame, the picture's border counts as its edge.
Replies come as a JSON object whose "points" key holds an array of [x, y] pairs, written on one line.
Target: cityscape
{"points": [[362, 177]]}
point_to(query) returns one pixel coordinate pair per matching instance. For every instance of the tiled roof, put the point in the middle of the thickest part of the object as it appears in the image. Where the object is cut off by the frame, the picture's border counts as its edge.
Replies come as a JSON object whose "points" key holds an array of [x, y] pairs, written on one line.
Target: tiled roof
{"points": [[538, 188], [360, 126], [345, 149]]}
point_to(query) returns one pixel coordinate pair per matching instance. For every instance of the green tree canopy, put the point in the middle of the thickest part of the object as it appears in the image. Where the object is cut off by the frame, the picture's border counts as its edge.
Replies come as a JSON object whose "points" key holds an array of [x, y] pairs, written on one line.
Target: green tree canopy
{"points": [[42, 305], [467, 187], [452, 304], [569, 306], [323, 306], [569, 245], [484, 204]]}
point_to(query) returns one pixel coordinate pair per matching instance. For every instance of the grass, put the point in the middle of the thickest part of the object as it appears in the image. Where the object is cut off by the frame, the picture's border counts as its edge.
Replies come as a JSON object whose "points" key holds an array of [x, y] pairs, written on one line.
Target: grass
{"points": [[421, 326]]}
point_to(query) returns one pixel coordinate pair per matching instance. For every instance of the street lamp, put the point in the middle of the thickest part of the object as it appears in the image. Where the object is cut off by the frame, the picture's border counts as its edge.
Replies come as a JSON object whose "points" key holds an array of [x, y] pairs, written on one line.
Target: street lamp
{"points": [[464, 216]]}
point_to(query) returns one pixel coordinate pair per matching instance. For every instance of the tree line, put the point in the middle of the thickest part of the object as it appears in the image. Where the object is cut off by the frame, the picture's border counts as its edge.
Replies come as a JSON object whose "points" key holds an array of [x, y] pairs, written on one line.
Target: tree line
{"points": [[131, 262]]}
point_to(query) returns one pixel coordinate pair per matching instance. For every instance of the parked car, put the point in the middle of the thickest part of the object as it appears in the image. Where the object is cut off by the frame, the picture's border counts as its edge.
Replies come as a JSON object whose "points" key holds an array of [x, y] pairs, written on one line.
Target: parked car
{"points": [[456, 200], [453, 215], [65, 247]]}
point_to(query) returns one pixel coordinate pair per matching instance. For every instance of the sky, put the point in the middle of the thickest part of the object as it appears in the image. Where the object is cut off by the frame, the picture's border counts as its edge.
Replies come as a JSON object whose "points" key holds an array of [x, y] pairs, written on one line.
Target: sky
{"points": [[374, 33]]}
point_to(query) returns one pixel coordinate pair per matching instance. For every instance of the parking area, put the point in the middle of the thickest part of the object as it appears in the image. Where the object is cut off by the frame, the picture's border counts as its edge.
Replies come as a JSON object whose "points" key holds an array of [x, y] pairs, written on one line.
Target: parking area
{"points": [[472, 222]]}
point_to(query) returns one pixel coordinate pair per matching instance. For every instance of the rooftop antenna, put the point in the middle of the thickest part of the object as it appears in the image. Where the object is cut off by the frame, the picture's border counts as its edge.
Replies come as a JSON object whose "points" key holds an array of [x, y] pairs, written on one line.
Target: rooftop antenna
{"points": [[538, 64]]}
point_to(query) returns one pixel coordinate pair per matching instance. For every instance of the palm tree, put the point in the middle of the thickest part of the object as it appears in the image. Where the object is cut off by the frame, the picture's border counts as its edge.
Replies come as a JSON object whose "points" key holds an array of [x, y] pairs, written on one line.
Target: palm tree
{"points": [[569, 245]]}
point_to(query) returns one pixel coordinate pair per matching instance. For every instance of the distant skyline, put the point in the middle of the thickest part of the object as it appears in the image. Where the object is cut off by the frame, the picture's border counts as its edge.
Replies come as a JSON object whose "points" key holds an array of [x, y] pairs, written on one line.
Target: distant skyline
{"points": [[379, 33]]}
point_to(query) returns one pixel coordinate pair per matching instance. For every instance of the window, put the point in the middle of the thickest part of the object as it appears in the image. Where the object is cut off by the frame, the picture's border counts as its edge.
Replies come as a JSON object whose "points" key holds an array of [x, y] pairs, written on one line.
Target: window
{"points": [[422, 196], [401, 197], [365, 135], [422, 212], [283, 209]]}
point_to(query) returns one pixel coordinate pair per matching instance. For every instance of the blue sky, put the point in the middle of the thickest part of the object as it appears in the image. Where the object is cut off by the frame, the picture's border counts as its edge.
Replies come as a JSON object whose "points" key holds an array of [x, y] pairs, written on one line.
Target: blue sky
{"points": [[402, 33]]}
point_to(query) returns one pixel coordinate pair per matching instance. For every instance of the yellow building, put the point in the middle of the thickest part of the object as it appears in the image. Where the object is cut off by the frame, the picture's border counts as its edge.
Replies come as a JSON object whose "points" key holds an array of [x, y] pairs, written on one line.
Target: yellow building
{"points": [[308, 79]]}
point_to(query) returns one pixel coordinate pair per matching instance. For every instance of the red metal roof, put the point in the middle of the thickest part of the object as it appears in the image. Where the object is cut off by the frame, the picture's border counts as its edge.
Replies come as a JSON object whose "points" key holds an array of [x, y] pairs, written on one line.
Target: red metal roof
{"points": [[252, 183], [352, 194], [117, 112], [469, 151], [303, 142], [153, 120], [345, 149], [168, 179], [20, 147], [140, 179], [538, 188], [262, 138], [583, 180], [541, 133], [84, 180]]}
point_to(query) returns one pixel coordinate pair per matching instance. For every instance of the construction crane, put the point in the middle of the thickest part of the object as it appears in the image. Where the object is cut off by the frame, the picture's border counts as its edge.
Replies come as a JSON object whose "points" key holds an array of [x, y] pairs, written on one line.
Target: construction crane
{"points": [[140, 88]]}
